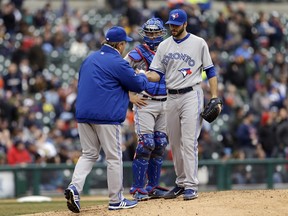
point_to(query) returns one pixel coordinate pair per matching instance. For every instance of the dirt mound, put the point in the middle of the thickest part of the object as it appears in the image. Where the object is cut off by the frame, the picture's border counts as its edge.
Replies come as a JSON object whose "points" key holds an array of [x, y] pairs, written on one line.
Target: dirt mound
{"points": [[223, 203]]}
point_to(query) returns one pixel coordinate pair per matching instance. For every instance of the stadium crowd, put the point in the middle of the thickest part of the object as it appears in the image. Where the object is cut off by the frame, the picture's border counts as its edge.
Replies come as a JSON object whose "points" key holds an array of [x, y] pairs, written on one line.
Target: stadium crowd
{"points": [[41, 51]]}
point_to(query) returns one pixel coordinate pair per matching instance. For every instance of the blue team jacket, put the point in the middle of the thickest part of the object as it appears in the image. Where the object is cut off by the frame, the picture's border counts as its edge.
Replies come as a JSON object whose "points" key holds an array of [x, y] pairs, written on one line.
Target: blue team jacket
{"points": [[104, 81]]}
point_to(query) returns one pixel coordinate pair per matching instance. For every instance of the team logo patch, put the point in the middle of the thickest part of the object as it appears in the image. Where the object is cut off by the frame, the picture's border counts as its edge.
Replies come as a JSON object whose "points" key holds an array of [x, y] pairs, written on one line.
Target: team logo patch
{"points": [[174, 16], [185, 71]]}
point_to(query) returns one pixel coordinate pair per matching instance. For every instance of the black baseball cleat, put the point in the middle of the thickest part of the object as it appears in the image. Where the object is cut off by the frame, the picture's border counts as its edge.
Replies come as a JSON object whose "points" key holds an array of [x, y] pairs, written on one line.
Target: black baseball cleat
{"points": [[73, 199], [175, 192]]}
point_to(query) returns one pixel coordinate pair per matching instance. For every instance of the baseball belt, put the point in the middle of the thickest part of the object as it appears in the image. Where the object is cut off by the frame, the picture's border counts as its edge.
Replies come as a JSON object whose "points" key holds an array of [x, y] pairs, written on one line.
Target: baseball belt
{"points": [[155, 99]]}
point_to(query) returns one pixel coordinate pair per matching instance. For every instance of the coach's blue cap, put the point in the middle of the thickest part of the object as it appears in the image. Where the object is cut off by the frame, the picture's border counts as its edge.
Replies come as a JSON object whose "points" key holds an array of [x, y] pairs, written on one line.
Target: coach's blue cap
{"points": [[177, 17], [117, 34]]}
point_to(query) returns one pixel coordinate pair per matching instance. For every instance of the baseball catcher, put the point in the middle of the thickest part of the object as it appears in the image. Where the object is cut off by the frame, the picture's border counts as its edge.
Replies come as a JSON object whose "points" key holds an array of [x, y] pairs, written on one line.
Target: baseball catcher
{"points": [[150, 120], [212, 109]]}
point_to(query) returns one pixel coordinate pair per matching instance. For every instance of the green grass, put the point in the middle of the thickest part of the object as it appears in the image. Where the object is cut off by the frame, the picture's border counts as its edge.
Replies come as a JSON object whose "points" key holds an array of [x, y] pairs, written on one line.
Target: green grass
{"points": [[11, 208]]}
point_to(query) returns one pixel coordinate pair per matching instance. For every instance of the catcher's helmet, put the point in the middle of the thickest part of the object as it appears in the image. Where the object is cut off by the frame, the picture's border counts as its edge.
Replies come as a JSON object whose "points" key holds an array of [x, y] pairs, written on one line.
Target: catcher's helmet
{"points": [[153, 25]]}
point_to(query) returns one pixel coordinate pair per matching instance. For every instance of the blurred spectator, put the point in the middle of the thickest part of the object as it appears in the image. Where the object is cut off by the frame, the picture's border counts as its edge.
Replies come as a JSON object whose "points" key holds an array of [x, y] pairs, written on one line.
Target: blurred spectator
{"points": [[209, 148], [246, 25], [5, 137], [26, 71], [18, 154], [194, 24], [85, 32], [46, 147], [23, 51], [9, 17], [247, 135], [244, 50], [2, 158], [116, 5], [234, 31], [254, 83], [8, 110], [78, 48], [282, 130], [234, 123], [267, 134], [31, 131], [282, 87], [39, 19], [239, 175], [64, 154], [66, 25], [58, 40], [37, 83], [260, 100], [64, 9], [27, 16], [51, 94], [33, 151], [261, 60], [276, 37], [13, 79], [274, 93], [18, 3], [264, 30], [47, 45], [232, 99], [280, 67], [237, 72], [133, 14], [220, 27], [162, 13], [36, 55]]}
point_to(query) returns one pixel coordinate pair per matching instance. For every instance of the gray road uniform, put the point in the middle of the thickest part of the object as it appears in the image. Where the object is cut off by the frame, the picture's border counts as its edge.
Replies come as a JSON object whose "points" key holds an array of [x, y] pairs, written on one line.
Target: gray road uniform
{"points": [[182, 63], [150, 126], [151, 117], [150, 121]]}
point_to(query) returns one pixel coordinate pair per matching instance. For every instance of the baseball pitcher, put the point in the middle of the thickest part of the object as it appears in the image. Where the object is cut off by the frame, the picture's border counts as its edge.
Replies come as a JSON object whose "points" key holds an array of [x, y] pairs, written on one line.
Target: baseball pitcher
{"points": [[182, 57]]}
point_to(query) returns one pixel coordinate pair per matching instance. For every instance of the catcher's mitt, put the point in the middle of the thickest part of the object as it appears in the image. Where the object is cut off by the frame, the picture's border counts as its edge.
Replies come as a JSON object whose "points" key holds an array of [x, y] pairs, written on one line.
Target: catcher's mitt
{"points": [[212, 110]]}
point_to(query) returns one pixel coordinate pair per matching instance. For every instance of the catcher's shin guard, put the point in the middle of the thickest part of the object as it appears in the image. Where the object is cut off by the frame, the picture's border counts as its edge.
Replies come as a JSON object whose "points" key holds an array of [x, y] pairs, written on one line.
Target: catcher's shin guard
{"points": [[154, 171], [156, 159], [139, 169], [140, 163]]}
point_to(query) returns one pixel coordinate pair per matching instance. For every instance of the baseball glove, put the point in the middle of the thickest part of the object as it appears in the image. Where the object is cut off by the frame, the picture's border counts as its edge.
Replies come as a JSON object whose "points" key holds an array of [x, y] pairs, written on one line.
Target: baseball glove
{"points": [[212, 110]]}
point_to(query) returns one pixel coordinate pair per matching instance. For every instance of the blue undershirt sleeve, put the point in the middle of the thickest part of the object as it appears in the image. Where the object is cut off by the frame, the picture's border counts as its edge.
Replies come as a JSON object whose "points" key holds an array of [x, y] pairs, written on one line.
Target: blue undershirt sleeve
{"points": [[210, 72]]}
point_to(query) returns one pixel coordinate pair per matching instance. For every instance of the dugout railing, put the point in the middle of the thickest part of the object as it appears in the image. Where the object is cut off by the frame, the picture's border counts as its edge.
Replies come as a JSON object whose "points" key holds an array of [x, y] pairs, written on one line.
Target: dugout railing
{"points": [[29, 179]]}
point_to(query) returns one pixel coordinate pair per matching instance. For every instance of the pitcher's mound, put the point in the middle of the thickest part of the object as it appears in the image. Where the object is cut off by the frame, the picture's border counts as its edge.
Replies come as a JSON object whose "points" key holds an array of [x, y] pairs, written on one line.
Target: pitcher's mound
{"points": [[223, 203]]}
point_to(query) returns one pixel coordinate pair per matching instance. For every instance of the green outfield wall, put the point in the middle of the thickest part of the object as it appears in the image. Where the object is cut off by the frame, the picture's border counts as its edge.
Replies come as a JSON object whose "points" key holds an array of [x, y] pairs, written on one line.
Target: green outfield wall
{"points": [[35, 179]]}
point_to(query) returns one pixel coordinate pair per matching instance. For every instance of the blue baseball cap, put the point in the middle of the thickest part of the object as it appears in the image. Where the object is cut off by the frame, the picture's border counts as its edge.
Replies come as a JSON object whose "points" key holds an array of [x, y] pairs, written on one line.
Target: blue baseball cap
{"points": [[117, 34], [177, 17]]}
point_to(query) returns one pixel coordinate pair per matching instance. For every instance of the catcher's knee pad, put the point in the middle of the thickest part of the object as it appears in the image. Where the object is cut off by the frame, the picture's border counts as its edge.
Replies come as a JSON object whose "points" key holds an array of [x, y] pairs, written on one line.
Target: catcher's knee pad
{"points": [[145, 146], [156, 159], [161, 142]]}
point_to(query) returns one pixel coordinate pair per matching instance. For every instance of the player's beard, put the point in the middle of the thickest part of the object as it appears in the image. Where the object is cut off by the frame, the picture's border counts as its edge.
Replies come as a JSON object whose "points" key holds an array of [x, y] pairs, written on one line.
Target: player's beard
{"points": [[178, 33]]}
